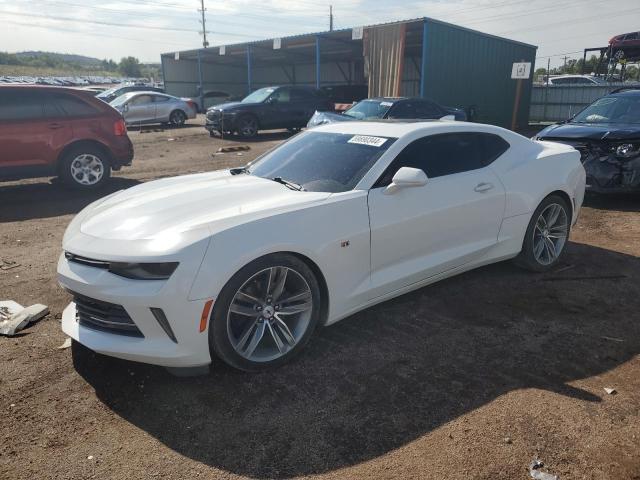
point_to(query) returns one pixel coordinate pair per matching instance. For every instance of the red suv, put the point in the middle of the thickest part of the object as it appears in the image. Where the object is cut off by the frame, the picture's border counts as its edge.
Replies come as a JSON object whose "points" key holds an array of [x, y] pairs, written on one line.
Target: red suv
{"points": [[60, 131]]}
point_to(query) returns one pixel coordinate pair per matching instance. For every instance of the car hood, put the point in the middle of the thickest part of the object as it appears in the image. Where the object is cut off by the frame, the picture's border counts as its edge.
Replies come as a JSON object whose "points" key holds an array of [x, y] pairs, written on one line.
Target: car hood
{"points": [[591, 131], [215, 200]]}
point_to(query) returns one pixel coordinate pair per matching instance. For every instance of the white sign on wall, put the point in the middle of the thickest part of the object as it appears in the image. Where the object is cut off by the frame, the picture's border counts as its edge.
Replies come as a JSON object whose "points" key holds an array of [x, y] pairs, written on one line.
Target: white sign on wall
{"points": [[356, 33], [277, 43], [176, 56], [222, 50], [521, 70]]}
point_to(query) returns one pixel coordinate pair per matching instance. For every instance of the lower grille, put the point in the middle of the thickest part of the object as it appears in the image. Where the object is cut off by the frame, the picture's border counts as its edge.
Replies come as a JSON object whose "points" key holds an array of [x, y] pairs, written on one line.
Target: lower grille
{"points": [[104, 316]]}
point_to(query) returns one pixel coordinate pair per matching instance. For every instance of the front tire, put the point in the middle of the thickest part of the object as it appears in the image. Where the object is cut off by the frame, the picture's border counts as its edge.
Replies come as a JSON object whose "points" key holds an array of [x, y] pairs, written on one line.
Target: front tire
{"points": [[85, 168], [546, 235], [248, 126], [266, 313]]}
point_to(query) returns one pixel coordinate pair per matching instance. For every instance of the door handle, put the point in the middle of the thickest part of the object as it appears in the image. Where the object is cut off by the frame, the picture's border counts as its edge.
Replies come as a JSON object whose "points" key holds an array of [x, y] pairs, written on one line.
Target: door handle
{"points": [[55, 126], [483, 187]]}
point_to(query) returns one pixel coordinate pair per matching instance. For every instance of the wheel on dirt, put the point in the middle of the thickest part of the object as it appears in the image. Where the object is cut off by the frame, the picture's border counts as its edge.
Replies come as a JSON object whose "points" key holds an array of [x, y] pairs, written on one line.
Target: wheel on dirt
{"points": [[177, 118], [266, 313], [248, 126], [546, 236], [85, 168]]}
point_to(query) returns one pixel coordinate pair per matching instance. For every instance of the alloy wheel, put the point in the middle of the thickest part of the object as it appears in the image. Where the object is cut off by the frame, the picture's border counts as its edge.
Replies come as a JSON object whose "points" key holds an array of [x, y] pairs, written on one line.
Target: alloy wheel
{"points": [[87, 169], [269, 314], [249, 127], [178, 118], [550, 234]]}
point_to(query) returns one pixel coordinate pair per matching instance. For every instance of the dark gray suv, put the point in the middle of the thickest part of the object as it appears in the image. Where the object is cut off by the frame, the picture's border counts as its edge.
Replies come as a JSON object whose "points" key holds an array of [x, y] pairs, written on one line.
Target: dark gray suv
{"points": [[268, 108]]}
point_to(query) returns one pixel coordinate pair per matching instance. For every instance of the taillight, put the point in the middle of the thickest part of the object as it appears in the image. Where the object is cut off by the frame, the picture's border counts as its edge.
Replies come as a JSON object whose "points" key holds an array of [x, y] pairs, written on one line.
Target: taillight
{"points": [[120, 128]]}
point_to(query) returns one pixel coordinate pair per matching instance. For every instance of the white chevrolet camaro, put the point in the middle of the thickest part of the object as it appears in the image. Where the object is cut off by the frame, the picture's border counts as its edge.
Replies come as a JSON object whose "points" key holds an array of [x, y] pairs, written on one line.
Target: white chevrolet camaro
{"points": [[244, 264]]}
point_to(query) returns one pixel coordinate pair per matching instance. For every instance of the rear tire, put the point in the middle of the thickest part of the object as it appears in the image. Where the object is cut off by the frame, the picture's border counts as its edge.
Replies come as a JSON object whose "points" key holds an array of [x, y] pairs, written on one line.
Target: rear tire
{"points": [[265, 314], [177, 118], [546, 236], [85, 167]]}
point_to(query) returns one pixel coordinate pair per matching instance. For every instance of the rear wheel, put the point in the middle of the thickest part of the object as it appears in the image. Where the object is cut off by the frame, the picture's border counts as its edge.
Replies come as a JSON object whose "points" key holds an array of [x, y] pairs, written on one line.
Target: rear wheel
{"points": [[266, 313], [85, 168], [546, 236], [177, 118]]}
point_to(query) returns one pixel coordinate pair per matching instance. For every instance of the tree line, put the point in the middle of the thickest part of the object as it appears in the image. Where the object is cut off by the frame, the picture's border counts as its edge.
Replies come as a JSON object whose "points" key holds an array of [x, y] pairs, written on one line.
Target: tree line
{"points": [[128, 66]]}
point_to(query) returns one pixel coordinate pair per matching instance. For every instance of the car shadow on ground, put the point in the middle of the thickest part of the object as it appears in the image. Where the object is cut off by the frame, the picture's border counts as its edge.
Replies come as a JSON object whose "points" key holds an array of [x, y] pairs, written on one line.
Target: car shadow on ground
{"points": [[388, 375], [262, 136], [51, 198]]}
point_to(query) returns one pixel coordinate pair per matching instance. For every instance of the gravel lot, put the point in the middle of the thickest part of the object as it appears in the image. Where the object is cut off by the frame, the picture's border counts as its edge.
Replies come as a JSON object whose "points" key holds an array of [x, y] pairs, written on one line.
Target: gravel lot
{"points": [[472, 377]]}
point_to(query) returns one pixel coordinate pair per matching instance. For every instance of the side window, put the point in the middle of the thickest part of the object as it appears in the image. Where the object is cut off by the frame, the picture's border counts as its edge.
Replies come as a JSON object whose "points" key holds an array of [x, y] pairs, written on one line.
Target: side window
{"points": [[283, 95], [73, 106], [160, 98], [16, 105], [447, 154], [141, 100], [402, 110], [429, 110]]}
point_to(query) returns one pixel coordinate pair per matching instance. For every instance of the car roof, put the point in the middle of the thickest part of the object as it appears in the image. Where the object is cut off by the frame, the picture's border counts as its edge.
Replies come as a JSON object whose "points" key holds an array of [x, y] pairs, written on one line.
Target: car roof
{"points": [[397, 128]]}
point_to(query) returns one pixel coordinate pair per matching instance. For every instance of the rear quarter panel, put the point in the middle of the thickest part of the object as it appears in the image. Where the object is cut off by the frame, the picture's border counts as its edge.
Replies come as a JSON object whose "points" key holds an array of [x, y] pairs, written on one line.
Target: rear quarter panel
{"points": [[532, 170]]}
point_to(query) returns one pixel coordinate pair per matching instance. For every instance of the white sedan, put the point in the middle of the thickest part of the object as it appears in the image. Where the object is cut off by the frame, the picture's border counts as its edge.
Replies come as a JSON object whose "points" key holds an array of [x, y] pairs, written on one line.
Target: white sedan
{"points": [[243, 264]]}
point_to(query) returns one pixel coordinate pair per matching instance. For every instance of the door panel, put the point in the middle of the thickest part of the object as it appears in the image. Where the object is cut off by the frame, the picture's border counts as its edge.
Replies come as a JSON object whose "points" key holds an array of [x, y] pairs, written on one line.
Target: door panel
{"points": [[419, 232], [27, 136], [141, 110]]}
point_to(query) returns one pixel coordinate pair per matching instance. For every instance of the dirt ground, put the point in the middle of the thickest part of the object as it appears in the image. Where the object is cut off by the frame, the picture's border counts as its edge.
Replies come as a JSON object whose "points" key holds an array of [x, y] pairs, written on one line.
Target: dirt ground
{"points": [[472, 377]]}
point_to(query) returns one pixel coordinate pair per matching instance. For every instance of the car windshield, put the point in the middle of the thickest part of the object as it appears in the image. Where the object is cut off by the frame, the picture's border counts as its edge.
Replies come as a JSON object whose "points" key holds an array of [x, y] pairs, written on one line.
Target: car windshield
{"points": [[322, 162], [259, 95], [369, 109], [614, 109]]}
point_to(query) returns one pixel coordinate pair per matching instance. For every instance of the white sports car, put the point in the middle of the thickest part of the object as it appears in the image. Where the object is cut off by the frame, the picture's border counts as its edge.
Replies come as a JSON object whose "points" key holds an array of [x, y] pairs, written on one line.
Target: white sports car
{"points": [[244, 263]]}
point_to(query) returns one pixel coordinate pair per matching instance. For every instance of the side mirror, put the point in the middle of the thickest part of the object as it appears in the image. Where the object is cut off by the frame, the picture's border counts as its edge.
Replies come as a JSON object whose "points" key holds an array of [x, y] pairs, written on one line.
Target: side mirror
{"points": [[125, 107], [272, 100], [406, 177]]}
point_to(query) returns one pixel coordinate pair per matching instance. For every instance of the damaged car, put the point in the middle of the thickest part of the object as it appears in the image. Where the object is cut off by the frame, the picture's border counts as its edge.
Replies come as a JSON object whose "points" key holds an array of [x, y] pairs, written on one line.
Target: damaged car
{"points": [[607, 135], [390, 108]]}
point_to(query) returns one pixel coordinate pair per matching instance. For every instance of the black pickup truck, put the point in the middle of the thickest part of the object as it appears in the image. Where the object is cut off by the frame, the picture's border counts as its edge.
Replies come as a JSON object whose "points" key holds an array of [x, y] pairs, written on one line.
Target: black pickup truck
{"points": [[268, 108]]}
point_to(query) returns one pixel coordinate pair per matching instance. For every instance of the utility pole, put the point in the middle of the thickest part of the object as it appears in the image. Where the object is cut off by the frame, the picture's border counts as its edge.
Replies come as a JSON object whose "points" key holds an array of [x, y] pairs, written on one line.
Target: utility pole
{"points": [[564, 69], [205, 44], [331, 18]]}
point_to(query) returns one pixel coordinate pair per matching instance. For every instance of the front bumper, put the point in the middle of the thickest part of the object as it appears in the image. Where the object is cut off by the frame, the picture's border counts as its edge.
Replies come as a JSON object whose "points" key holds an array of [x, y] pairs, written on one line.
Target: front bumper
{"points": [[137, 297], [216, 122]]}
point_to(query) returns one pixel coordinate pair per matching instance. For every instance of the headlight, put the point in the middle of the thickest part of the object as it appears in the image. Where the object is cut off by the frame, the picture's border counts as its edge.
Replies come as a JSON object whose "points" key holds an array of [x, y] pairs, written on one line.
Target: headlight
{"points": [[627, 150], [143, 271]]}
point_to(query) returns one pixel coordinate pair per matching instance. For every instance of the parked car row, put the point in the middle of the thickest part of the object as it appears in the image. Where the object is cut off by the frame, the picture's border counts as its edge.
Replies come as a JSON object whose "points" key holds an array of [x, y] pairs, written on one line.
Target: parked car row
{"points": [[295, 107]]}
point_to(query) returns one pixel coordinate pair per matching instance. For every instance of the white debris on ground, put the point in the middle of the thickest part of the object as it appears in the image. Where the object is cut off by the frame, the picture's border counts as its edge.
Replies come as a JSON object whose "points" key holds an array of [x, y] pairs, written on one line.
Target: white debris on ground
{"points": [[14, 317], [610, 391], [537, 474], [66, 344]]}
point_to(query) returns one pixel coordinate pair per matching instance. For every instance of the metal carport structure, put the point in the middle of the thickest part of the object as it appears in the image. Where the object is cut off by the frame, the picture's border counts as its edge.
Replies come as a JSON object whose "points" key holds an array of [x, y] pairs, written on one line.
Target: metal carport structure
{"points": [[462, 67]]}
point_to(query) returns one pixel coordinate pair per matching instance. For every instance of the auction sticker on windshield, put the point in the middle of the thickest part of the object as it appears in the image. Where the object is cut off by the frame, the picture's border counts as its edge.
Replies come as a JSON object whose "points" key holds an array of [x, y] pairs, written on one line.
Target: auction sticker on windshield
{"points": [[367, 140]]}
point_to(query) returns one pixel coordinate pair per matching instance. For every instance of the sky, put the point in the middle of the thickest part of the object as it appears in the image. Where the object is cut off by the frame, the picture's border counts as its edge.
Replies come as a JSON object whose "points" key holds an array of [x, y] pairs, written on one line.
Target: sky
{"points": [[145, 28]]}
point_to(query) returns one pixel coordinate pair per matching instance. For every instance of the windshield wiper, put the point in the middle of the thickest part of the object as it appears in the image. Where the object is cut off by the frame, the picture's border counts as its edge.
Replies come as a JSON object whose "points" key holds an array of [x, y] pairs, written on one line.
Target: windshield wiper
{"points": [[239, 170], [287, 183]]}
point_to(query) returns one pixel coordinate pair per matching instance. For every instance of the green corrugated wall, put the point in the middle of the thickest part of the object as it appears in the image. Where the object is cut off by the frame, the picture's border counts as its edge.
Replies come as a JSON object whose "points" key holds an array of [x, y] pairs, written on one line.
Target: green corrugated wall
{"points": [[465, 68]]}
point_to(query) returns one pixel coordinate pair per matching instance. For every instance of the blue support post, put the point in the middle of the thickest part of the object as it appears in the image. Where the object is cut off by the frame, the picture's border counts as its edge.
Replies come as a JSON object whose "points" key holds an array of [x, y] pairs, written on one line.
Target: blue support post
{"points": [[317, 61], [248, 69], [200, 88], [423, 66]]}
